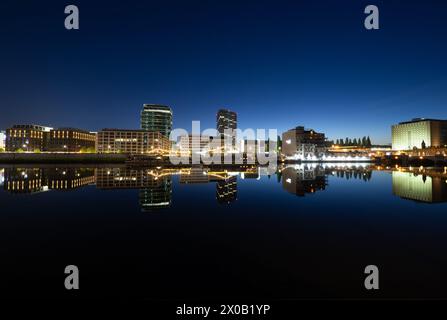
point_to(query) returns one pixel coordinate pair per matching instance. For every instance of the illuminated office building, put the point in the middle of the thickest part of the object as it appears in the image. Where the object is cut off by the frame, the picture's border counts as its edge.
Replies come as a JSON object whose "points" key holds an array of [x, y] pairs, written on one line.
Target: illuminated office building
{"points": [[156, 118], [131, 142], [227, 120], [419, 132]]}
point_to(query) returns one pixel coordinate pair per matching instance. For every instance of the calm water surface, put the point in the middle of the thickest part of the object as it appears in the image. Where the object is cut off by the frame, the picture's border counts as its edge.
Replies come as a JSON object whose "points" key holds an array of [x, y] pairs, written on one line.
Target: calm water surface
{"points": [[306, 231]]}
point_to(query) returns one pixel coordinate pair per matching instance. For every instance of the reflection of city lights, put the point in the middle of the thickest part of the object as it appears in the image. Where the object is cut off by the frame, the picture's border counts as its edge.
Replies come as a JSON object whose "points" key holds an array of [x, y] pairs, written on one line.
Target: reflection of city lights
{"points": [[325, 158]]}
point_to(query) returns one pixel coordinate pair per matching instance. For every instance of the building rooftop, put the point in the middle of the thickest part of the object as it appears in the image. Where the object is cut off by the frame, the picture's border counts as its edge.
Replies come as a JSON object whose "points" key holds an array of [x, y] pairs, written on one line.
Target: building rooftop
{"points": [[156, 107], [128, 130], [72, 129], [421, 120], [32, 126], [225, 110]]}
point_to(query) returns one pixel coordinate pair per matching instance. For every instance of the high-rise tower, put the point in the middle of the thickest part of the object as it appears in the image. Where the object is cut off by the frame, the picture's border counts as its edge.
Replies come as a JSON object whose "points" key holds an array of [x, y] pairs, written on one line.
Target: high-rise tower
{"points": [[155, 117], [227, 119]]}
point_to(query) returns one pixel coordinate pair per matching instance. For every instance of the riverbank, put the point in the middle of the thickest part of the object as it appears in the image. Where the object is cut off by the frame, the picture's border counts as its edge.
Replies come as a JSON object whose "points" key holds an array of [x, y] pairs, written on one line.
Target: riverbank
{"points": [[63, 158], [109, 158]]}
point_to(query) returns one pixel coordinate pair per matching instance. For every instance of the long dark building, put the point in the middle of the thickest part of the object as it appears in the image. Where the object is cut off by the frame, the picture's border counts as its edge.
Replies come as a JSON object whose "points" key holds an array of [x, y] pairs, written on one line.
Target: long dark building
{"points": [[156, 118], [36, 138], [27, 137], [70, 140]]}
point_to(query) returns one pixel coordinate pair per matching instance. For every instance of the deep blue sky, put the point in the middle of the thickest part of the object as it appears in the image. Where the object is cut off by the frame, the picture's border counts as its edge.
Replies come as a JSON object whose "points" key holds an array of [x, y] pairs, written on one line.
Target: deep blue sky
{"points": [[277, 63]]}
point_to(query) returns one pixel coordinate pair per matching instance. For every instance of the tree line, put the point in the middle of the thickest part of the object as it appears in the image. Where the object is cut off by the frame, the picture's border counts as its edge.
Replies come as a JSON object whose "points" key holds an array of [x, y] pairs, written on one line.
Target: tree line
{"points": [[363, 142]]}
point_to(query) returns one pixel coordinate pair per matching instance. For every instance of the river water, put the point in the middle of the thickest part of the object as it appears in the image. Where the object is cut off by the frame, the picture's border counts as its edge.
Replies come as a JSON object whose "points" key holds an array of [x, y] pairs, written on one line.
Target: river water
{"points": [[305, 231]]}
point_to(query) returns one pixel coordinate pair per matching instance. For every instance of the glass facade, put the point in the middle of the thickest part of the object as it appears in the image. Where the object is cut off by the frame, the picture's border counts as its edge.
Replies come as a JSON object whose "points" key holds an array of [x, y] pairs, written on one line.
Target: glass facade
{"points": [[156, 118]]}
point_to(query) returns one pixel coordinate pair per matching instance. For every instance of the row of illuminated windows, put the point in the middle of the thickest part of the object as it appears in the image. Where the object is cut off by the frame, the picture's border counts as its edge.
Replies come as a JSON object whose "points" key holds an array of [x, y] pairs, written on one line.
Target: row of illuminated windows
{"points": [[20, 185], [75, 135], [132, 142], [17, 133], [63, 184]]}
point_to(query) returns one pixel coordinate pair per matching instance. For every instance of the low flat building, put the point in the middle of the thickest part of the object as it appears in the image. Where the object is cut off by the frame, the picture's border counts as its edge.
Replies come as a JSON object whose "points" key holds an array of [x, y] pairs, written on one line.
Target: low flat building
{"points": [[27, 137], [419, 133], [70, 140], [132, 142], [303, 144]]}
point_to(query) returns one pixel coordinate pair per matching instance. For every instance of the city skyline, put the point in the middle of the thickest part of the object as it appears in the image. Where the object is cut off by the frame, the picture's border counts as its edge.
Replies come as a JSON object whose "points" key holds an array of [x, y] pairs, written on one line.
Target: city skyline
{"points": [[277, 65]]}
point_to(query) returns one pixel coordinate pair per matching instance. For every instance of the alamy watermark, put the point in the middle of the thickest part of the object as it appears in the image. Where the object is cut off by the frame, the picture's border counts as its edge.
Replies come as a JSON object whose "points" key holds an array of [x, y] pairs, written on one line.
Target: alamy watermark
{"points": [[229, 146], [71, 22]]}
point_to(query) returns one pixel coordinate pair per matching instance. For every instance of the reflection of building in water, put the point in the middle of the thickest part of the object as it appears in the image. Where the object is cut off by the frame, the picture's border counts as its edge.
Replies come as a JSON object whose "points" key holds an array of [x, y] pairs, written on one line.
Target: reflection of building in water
{"points": [[226, 190], [251, 174], [423, 188], [2, 176], [120, 178], [195, 175], [303, 179], [69, 178], [157, 197], [30, 180], [24, 180], [155, 187]]}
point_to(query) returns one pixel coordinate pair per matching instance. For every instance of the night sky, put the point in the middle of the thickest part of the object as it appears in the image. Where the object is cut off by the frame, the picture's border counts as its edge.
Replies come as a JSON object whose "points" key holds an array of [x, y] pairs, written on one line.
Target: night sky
{"points": [[278, 64]]}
